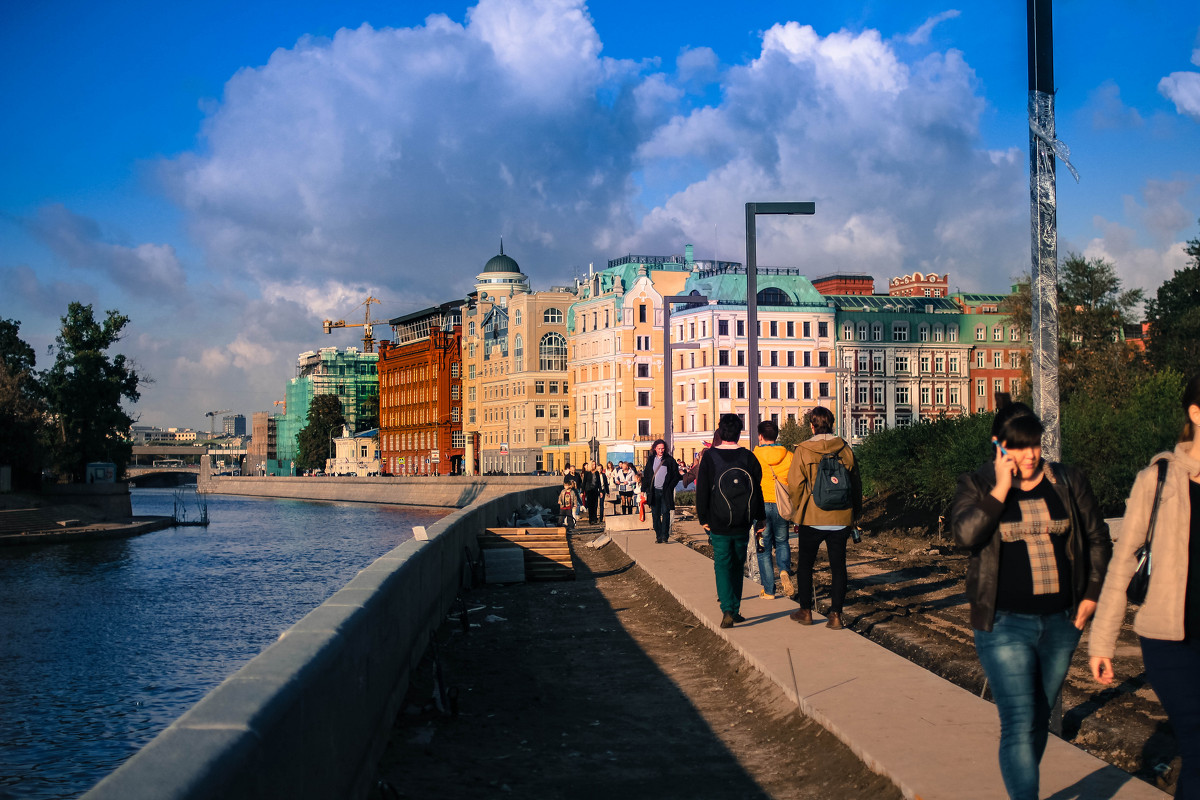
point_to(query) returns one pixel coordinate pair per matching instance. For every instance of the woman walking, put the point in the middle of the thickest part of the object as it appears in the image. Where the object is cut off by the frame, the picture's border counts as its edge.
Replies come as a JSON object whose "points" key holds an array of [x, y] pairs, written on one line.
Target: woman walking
{"points": [[658, 483], [1039, 550], [1168, 622]]}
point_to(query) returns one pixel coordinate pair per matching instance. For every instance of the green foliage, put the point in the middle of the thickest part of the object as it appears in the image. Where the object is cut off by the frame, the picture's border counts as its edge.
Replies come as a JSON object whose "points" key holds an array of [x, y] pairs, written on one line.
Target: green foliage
{"points": [[792, 433], [922, 462], [21, 408], [325, 419], [84, 390], [1174, 317], [368, 413], [1111, 437]]}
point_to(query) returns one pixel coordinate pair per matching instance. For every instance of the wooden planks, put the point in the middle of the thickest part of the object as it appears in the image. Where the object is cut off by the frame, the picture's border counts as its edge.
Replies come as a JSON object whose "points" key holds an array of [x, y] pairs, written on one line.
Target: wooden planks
{"points": [[546, 550]]}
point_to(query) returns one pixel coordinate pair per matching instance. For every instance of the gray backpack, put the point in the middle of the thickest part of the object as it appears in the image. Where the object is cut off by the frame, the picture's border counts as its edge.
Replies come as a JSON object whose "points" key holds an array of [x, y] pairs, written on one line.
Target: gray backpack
{"points": [[831, 487]]}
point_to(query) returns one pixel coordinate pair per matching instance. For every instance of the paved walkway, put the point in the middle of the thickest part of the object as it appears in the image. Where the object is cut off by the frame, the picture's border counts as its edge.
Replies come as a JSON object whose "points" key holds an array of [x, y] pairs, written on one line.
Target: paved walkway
{"points": [[934, 739]]}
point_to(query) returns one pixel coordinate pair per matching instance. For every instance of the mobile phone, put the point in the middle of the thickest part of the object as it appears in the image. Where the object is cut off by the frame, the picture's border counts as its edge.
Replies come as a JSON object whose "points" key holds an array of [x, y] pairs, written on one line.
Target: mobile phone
{"points": [[997, 443]]}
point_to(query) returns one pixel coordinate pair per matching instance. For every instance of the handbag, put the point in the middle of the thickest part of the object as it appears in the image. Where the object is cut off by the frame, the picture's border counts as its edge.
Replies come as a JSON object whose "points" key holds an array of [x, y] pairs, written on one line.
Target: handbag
{"points": [[1140, 582], [783, 499]]}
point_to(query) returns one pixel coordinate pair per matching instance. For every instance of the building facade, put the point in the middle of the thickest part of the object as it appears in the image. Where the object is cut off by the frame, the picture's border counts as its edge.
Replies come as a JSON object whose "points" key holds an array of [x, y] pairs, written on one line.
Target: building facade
{"points": [[919, 285], [350, 375], [796, 353], [999, 350], [262, 457], [516, 384], [420, 394], [845, 283], [234, 425], [900, 360]]}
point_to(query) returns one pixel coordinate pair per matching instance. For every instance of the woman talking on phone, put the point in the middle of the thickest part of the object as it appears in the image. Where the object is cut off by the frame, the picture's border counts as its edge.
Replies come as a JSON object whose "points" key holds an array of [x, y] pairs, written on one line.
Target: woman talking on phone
{"points": [[1168, 621], [1039, 550]]}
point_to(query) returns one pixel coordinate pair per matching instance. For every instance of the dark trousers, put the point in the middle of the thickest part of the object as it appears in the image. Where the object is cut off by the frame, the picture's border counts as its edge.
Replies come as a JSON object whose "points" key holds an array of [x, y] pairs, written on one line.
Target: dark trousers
{"points": [[592, 497], [809, 542], [1172, 668], [660, 514], [729, 562]]}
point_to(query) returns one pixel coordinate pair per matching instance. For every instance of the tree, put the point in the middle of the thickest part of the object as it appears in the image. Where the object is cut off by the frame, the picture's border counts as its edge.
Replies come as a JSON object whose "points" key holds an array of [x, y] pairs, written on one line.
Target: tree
{"points": [[368, 413], [21, 408], [312, 443], [1092, 312], [792, 433], [1174, 317], [84, 390]]}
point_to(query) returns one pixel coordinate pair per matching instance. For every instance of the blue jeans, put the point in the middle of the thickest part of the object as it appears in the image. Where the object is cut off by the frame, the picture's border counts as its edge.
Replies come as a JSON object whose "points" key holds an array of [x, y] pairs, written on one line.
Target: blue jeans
{"points": [[1025, 658], [775, 541], [660, 515], [1172, 668]]}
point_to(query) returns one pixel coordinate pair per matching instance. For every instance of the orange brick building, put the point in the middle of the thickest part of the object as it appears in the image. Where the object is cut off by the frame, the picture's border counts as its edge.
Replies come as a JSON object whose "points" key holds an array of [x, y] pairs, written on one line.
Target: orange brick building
{"points": [[420, 394], [919, 285], [845, 283]]}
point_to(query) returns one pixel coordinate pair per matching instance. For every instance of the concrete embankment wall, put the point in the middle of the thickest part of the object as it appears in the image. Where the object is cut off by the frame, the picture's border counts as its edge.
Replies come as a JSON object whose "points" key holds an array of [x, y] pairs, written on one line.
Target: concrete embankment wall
{"points": [[442, 492], [309, 717]]}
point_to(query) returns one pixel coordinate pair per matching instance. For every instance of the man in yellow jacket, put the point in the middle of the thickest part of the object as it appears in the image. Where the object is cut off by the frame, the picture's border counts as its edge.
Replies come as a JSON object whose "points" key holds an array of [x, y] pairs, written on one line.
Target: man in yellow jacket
{"points": [[775, 461], [832, 526]]}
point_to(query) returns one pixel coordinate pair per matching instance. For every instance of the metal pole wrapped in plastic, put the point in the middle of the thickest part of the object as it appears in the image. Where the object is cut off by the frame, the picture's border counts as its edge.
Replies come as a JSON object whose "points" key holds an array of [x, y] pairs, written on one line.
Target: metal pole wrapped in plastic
{"points": [[1044, 228]]}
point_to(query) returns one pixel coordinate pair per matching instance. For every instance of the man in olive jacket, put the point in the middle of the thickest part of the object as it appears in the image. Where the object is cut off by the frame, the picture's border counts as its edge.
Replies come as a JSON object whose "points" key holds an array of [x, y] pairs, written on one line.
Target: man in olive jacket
{"points": [[819, 525]]}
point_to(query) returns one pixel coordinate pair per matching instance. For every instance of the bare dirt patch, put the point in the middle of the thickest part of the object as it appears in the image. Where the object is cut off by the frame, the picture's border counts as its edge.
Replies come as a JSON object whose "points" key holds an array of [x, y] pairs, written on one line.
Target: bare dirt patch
{"points": [[603, 687]]}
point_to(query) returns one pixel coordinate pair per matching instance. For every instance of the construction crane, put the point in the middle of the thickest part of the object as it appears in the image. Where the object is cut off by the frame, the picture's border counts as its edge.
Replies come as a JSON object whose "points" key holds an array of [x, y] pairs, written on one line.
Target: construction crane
{"points": [[366, 325], [282, 403], [212, 420]]}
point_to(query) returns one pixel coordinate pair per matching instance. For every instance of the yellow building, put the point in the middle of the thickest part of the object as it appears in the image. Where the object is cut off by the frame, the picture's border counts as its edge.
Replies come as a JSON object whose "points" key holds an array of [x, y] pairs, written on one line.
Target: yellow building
{"points": [[615, 332], [516, 384]]}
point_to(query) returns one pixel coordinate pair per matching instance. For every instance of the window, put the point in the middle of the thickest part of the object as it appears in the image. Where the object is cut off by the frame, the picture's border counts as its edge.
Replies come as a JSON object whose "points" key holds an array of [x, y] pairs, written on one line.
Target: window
{"points": [[923, 332], [539, 411], [643, 370], [471, 394], [877, 332], [455, 392], [741, 327], [862, 393], [723, 390], [741, 358], [552, 316], [981, 388], [822, 329], [807, 358], [471, 415], [1014, 360], [741, 390], [458, 439], [823, 358], [643, 399], [552, 352], [471, 329], [1014, 334], [954, 395], [877, 395], [554, 387], [823, 388], [539, 387], [900, 331], [723, 358], [847, 331], [924, 395], [774, 358], [997, 334], [791, 329], [471, 372], [454, 370], [939, 364], [980, 333], [902, 395], [554, 410], [997, 359], [774, 328], [774, 390], [791, 358], [722, 327], [938, 333], [980, 355], [863, 425], [864, 361], [997, 386], [807, 390], [925, 364], [862, 331], [807, 330], [791, 390], [901, 363], [953, 365], [939, 395], [642, 312]]}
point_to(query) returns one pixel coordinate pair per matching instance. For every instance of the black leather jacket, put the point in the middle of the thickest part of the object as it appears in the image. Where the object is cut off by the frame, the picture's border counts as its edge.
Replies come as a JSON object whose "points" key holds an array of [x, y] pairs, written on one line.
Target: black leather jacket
{"points": [[975, 520]]}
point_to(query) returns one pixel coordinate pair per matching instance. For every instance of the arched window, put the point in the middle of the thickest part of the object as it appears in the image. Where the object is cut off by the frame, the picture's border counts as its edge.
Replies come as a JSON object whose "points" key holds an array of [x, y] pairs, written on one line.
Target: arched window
{"points": [[772, 296], [847, 331], [471, 329], [518, 345], [552, 316], [552, 351], [517, 317]]}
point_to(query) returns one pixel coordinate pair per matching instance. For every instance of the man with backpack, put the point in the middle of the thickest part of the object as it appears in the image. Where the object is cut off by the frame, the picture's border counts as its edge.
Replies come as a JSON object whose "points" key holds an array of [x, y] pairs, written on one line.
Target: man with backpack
{"points": [[826, 495], [775, 460], [729, 501]]}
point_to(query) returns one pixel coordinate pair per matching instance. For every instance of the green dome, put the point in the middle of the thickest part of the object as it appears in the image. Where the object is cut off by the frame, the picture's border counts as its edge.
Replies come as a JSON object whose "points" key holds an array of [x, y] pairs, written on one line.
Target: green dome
{"points": [[502, 263]]}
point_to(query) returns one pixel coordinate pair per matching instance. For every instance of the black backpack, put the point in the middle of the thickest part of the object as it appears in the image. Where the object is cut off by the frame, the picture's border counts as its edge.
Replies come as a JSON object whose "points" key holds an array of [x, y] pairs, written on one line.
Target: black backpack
{"points": [[831, 487], [732, 490]]}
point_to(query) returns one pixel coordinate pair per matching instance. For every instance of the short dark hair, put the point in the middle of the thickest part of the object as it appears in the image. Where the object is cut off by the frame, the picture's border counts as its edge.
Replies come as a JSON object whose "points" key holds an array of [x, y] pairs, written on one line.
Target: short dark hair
{"points": [[1191, 397], [1016, 426], [729, 428], [768, 429], [821, 420]]}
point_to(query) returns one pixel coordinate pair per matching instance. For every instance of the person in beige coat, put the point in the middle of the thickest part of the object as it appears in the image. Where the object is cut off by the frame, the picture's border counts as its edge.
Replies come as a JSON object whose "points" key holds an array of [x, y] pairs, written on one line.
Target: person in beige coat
{"points": [[1168, 622], [819, 525]]}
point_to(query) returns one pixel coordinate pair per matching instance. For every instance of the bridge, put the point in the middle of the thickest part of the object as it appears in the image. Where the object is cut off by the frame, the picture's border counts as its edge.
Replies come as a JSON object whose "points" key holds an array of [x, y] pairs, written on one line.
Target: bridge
{"points": [[173, 465]]}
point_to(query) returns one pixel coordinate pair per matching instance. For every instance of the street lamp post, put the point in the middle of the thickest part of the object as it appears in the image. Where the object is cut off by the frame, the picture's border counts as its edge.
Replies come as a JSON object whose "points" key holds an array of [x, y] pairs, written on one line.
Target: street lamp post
{"points": [[668, 384], [753, 210]]}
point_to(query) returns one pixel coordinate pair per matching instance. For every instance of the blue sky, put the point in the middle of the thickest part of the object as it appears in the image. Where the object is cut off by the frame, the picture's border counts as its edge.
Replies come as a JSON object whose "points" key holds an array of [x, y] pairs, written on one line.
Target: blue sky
{"points": [[229, 174]]}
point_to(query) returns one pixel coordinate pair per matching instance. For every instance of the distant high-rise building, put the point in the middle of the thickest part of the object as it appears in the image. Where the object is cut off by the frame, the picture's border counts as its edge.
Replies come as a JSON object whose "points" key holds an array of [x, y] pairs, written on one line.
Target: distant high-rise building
{"points": [[235, 425]]}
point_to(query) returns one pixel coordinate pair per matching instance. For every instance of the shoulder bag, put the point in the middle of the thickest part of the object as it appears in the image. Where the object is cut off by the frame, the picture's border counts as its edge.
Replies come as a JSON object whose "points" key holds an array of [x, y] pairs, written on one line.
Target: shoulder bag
{"points": [[1140, 582]]}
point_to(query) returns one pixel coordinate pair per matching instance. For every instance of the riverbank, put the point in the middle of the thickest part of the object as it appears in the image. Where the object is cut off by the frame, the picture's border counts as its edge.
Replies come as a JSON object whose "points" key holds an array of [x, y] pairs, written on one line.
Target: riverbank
{"points": [[36, 519]]}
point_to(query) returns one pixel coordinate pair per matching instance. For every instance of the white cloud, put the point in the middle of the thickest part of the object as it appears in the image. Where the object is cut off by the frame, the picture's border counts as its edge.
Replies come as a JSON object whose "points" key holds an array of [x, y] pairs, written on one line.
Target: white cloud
{"points": [[1183, 89], [1108, 111], [921, 34]]}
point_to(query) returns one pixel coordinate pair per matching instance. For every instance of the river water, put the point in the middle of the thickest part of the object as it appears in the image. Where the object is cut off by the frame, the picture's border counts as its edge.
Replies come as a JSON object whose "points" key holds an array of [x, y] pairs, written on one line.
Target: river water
{"points": [[103, 644]]}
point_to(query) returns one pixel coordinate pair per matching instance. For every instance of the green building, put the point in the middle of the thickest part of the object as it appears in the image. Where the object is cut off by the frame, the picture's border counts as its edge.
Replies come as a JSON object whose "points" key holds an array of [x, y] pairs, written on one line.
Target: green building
{"points": [[351, 375]]}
